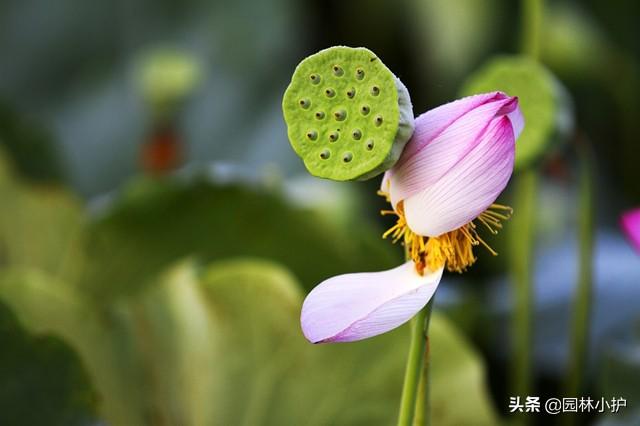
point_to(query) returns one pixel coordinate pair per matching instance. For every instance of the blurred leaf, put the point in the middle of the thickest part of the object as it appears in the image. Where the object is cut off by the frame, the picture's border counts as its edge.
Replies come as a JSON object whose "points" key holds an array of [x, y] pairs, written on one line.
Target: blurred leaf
{"points": [[158, 222], [100, 338], [31, 147], [573, 44], [270, 375], [545, 104], [43, 382], [39, 225], [273, 376], [227, 349], [177, 345], [224, 347], [457, 371], [5, 169]]}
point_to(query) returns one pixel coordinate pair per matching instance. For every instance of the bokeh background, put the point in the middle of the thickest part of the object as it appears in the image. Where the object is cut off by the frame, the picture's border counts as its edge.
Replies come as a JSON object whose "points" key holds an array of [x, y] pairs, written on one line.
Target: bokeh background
{"points": [[158, 234]]}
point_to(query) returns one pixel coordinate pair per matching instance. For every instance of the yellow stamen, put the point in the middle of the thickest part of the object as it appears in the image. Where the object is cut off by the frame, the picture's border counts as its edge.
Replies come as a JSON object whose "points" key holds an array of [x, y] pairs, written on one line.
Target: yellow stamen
{"points": [[453, 249], [385, 195]]}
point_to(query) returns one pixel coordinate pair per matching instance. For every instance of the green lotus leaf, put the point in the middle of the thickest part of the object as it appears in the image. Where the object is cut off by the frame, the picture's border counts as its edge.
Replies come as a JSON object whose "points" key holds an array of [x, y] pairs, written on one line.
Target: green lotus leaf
{"points": [[222, 345], [39, 225], [160, 222], [43, 381], [270, 375], [100, 338], [30, 146]]}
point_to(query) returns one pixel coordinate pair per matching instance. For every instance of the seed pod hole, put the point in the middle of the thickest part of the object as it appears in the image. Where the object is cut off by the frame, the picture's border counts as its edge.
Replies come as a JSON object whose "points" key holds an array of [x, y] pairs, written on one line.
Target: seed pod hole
{"points": [[356, 134], [338, 71], [325, 154], [329, 92], [364, 109], [378, 120], [319, 115], [312, 135], [340, 115], [333, 136], [315, 78], [304, 103], [347, 157], [359, 73], [351, 93], [375, 90], [369, 145]]}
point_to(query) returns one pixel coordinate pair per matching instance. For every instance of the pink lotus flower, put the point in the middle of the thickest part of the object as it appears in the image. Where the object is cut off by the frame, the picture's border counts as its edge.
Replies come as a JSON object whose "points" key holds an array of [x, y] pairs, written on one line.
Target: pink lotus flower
{"points": [[457, 162], [630, 222]]}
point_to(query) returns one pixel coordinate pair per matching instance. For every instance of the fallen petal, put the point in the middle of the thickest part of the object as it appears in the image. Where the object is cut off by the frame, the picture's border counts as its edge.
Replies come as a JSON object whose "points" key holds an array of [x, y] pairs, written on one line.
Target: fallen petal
{"points": [[630, 222], [356, 306]]}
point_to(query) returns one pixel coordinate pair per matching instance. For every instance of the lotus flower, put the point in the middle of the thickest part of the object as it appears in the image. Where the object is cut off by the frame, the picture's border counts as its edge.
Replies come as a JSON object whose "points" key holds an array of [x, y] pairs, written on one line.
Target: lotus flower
{"points": [[630, 222], [456, 164]]}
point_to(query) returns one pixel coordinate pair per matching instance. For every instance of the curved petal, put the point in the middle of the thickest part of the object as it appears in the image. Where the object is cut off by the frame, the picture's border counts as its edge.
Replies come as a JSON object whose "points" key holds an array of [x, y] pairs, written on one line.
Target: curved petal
{"points": [[385, 184], [352, 307], [425, 161], [630, 222], [516, 118], [432, 123], [469, 188]]}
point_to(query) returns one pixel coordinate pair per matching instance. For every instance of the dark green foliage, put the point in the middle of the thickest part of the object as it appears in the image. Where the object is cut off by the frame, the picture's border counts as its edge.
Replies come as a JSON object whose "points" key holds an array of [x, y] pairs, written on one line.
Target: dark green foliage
{"points": [[30, 146], [162, 221], [42, 381]]}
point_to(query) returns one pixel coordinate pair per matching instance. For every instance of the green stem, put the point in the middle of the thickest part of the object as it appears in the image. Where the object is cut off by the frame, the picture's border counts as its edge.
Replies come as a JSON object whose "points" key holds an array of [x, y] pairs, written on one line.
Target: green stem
{"points": [[422, 415], [582, 310], [422, 399], [532, 13], [522, 248], [522, 235], [415, 371]]}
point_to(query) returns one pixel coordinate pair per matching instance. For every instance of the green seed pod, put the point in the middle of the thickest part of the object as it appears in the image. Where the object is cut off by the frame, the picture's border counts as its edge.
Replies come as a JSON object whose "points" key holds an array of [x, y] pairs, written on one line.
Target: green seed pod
{"points": [[358, 112]]}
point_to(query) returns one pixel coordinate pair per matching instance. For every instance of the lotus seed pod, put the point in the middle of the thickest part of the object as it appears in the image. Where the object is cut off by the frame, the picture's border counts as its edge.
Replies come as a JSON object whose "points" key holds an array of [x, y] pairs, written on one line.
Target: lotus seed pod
{"points": [[348, 117]]}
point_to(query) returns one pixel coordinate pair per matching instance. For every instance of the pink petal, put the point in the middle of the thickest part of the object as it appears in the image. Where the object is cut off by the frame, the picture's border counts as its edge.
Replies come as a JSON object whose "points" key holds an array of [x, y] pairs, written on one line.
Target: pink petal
{"points": [[517, 119], [352, 307], [435, 121], [630, 222], [430, 154], [469, 187]]}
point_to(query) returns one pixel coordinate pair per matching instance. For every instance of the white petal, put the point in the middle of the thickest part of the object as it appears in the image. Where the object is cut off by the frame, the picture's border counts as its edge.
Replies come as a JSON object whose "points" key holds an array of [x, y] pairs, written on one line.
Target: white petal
{"points": [[352, 307]]}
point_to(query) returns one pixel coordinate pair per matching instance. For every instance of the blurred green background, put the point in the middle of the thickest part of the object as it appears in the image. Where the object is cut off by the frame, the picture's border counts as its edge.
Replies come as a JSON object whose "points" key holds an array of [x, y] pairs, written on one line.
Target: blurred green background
{"points": [[158, 234]]}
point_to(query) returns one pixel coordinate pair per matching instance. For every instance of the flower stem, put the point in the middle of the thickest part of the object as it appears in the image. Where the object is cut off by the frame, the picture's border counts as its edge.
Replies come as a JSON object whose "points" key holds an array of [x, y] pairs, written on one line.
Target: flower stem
{"points": [[522, 237], [422, 414], [416, 380], [522, 243], [582, 310], [532, 11]]}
